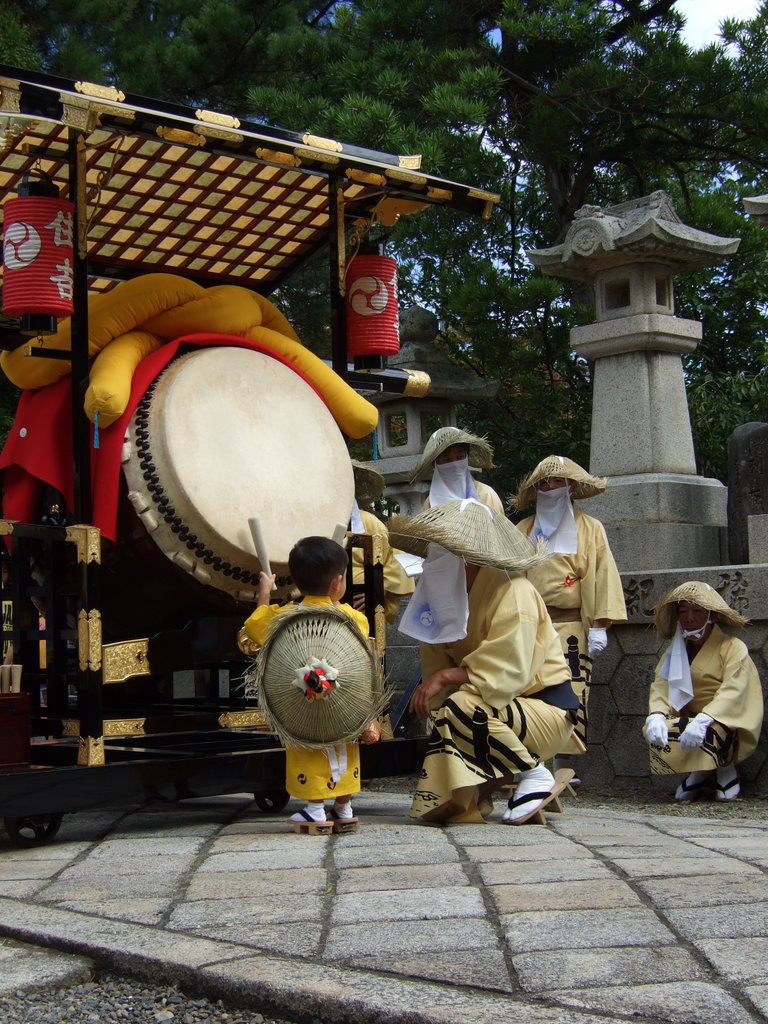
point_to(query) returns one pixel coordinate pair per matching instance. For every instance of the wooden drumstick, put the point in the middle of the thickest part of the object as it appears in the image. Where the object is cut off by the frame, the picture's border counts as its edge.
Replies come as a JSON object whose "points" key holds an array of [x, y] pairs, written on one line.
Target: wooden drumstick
{"points": [[260, 546]]}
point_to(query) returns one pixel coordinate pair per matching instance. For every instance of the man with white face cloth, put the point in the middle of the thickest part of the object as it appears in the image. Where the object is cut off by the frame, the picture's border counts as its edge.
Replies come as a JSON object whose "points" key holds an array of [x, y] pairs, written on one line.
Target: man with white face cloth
{"points": [[706, 702], [448, 459], [580, 583]]}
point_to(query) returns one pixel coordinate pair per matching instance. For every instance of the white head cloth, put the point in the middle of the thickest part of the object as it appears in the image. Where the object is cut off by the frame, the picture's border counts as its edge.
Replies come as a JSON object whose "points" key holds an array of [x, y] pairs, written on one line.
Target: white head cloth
{"points": [[555, 521], [677, 671], [438, 611], [451, 480]]}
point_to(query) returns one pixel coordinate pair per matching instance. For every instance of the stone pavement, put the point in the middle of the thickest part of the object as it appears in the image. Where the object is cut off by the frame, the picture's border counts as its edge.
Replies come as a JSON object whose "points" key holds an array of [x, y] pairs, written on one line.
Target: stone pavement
{"points": [[599, 917]]}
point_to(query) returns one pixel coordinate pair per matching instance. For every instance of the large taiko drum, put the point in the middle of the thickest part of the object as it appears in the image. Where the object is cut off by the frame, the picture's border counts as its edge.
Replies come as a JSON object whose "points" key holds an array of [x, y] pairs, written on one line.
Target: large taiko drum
{"points": [[223, 435]]}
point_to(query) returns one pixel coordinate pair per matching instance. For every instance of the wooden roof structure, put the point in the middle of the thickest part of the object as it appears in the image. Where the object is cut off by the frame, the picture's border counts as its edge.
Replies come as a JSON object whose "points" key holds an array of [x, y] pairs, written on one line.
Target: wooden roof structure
{"points": [[201, 193]]}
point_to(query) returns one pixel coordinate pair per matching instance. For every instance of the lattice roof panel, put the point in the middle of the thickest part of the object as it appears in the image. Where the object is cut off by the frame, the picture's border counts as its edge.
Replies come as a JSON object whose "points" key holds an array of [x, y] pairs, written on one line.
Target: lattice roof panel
{"points": [[199, 193]]}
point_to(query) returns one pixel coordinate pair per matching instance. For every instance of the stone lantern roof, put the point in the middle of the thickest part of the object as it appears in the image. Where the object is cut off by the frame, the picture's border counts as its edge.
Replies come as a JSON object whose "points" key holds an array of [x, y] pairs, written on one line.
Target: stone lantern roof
{"points": [[642, 230], [757, 207]]}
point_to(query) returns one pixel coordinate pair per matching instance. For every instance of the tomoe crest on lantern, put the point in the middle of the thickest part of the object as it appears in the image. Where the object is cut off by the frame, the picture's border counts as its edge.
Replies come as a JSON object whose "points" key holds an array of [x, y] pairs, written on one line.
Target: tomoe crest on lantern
{"points": [[372, 313], [38, 258]]}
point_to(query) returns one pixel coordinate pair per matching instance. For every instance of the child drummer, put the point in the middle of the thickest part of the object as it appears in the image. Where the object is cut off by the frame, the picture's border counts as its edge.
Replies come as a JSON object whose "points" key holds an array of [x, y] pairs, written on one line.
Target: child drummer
{"points": [[318, 567]]}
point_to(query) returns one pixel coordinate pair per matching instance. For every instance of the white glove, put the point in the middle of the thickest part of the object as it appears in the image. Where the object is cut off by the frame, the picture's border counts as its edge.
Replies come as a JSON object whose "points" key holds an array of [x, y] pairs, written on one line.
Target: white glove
{"points": [[693, 734], [656, 731], [597, 641]]}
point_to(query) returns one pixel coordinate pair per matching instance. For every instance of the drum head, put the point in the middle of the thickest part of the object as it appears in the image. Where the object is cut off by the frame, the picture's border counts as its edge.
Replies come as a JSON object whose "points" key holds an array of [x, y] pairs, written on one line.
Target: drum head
{"points": [[223, 435]]}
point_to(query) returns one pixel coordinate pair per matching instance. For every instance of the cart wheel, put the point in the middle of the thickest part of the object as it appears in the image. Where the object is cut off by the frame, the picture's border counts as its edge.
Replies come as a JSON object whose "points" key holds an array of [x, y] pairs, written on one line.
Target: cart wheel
{"points": [[271, 803], [33, 830]]}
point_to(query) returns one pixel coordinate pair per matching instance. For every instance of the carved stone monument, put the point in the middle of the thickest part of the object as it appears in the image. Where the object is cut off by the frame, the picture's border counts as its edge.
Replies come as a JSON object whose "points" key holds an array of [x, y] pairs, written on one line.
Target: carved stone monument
{"points": [[657, 511]]}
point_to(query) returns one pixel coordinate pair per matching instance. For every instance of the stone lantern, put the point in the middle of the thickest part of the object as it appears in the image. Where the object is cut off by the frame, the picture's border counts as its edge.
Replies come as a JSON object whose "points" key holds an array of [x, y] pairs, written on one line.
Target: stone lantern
{"points": [[405, 423], [658, 513], [757, 207]]}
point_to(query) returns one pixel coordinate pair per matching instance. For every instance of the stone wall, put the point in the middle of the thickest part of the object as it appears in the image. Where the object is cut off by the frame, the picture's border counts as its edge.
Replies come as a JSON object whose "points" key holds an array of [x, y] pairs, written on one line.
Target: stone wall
{"points": [[617, 760]]}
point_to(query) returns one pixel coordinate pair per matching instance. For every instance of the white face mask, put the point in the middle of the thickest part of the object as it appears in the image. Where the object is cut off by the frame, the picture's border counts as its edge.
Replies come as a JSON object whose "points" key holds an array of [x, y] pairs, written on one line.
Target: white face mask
{"points": [[451, 481], [555, 522], [697, 634]]}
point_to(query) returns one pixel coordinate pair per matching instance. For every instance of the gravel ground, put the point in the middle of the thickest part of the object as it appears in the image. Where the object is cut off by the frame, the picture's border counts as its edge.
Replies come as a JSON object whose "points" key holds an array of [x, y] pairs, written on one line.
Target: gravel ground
{"points": [[112, 1000]]}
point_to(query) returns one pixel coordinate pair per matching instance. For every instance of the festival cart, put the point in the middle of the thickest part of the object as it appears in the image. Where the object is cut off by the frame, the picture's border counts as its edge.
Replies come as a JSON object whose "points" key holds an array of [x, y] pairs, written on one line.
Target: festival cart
{"points": [[124, 683]]}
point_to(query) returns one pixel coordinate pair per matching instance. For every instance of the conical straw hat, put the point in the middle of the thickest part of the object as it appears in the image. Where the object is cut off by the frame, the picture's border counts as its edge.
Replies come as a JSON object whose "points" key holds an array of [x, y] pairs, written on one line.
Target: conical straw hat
{"points": [[480, 452], [696, 592], [369, 483], [473, 531], [587, 486], [298, 638]]}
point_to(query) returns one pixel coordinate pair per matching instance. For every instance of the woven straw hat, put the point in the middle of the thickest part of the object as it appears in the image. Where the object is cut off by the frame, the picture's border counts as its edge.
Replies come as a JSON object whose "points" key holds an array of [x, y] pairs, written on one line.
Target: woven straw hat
{"points": [[471, 533], [587, 486], [297, 639], [369, 483], [480, 452], [698, 593]]}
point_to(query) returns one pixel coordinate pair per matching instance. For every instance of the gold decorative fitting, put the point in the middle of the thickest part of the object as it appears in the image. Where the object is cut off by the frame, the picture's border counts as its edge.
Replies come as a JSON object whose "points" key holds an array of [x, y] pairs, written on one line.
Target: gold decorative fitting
{"points": [[275, 156], [6, 527], [10, 95], [125, 727], [414, 162], [125, 659], [89, 640], [212, 117], [389, 210], [316, 154], [440, 193], [103, 92], [397, 174], [88, 541], [179, 135], [70, 727], [418, 384], [365, 177], [78, 113], [479, 193], [318, 142], [90, 751], [242, 720], [219, 133], [380, 623]]}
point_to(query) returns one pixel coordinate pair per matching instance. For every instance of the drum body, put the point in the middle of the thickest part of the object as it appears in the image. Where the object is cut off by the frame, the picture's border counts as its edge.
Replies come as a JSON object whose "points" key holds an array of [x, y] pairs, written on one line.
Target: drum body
{"points": [[225, 434]]}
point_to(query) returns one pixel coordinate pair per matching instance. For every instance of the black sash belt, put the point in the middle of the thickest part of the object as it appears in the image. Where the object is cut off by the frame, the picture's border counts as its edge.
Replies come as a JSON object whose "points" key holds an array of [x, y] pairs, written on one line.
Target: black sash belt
{"points": [[559, 696]]}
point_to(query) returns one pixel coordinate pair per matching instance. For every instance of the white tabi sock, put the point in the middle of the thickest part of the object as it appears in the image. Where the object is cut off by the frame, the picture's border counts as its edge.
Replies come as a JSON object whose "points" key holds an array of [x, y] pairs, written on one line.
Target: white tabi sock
{"points": [[314, 811], [727, 787], [533, 787]]}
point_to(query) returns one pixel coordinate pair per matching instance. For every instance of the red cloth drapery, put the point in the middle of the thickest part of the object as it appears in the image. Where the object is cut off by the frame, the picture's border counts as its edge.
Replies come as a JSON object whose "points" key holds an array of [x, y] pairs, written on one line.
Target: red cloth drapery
{"points": [[38, 450]]}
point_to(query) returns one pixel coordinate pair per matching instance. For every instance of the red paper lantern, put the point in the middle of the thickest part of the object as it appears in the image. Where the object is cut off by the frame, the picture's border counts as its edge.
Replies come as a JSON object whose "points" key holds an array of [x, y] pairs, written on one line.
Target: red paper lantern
{"points": [[38, 259], [372, 315]]}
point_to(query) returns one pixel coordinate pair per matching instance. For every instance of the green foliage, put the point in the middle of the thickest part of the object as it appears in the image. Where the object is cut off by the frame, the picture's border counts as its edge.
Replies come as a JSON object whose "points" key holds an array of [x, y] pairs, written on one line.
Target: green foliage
{"points": [[551, 103], [16, 46], [719, 403]]}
